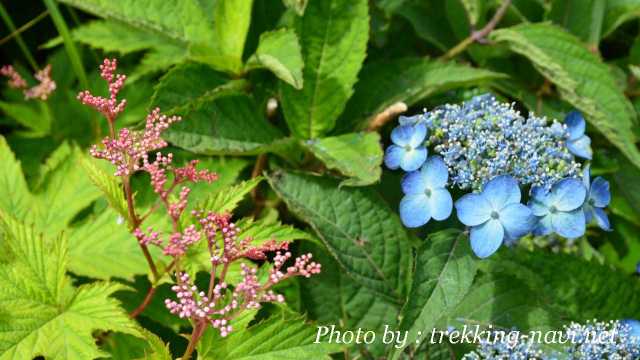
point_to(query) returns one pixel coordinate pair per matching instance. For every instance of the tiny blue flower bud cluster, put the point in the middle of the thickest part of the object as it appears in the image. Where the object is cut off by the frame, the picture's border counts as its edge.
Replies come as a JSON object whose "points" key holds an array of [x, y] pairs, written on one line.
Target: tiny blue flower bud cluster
{"points": [[487, 147], [591, 341], [484, 138]]}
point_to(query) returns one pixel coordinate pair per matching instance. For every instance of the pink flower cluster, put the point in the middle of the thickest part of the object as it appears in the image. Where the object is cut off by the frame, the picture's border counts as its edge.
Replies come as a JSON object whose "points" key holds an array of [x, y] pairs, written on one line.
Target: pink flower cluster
{"points": [[45, 86], [109, 107], [129, 151]]}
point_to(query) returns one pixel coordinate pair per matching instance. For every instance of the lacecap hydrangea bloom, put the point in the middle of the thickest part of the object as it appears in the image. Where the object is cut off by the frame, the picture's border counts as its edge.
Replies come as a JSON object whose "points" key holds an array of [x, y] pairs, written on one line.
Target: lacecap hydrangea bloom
{"points": [[590, 341], [489, 149]]}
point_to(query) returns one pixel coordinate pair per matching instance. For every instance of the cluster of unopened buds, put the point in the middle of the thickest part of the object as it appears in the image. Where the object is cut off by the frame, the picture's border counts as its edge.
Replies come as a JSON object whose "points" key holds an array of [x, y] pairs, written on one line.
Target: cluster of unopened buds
{"points": [[487, 147], [128, 150], [594, 340], [41, 91]]}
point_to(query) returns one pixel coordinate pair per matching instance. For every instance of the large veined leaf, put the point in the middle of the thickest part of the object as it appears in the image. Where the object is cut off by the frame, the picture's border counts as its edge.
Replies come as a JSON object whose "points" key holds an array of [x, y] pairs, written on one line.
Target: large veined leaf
{"points": [[15, 198], [356, 155], [47, 316], [136, 25], [186, 86], [445, 270], [581, 78], [65, 191], [102, 247], [231, 124], [231, 23], [408, 80], [583, 18], [279, 51], [279, 337], [60, 195], [226, 199], [333, 35], [364, 235], [333, 298], [618, 12]]}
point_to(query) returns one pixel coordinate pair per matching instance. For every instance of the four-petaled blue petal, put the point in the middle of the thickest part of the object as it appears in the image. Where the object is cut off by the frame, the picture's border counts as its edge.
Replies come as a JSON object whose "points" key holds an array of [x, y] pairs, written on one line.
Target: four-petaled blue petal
{"points": [[560, 209], [407, 151], [598, 197], [425, 194], [578, 143], [494, 215]]}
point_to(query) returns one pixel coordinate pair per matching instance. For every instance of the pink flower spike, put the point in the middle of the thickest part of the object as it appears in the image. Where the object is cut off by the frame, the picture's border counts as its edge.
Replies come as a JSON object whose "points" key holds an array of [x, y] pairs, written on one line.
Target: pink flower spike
{"points": [[16, 81], [44, 88], [110, 107]]}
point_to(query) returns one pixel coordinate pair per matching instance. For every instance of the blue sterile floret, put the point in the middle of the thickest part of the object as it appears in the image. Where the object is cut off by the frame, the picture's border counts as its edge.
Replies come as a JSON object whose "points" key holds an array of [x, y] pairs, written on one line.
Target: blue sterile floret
{"points": [[487, 147]]}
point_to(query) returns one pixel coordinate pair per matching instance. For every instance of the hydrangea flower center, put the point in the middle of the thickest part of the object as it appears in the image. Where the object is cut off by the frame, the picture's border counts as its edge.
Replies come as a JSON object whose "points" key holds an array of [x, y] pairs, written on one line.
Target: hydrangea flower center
{"points": [[592, 202], [427, 192], [495, 215], [553, 209], [408, 148]]}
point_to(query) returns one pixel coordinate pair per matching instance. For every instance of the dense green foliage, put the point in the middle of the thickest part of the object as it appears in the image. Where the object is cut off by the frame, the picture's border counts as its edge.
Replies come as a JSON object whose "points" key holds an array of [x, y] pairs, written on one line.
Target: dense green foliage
{"points": [[291, 102]]}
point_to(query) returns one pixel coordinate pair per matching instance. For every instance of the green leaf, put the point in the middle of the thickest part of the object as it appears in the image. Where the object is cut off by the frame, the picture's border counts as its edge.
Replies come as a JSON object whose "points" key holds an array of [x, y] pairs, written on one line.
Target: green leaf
{"points": [[226, 199], [437, 31], [618, 12], [66, 190], [333, 298], [102, 247], [48, 317], [108, 185], [232, 19], [583, 19], [278, 337], [279, 51], [364, 235], [38, 120], [187, 86], [333, 35], [261, 231], [15, 198], [581, 78], [135, 25], [230, 124], [296, 5], [125, 347], [445, 270], [408, 80], [356, 155]]}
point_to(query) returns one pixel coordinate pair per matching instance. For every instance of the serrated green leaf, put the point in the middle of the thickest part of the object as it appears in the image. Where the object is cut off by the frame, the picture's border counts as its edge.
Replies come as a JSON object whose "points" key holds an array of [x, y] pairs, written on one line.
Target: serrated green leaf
{"points": [[333, 35], [437, 31], [230, 124], [581, 78], [261, 231], [445, 270], [186, 86], [618, 12], [15, 198], [408, 80], [473, 9], [186, 25], [65, 191], [278, 337], [364, 235], [333, 298], [356, 155], [108, 185], [102, 247], [48, 317], [226, 199], [279, 51], [126, 347]]}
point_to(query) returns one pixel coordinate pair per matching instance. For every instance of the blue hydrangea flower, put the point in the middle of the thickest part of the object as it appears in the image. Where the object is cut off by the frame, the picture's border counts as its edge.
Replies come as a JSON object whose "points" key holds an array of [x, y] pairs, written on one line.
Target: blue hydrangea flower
{"points": [[484, 138], [560, 209], [633, 326], [578, 143], [598, 197], [620, 341], [425, 194], [408, 151], [494, 215]]}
